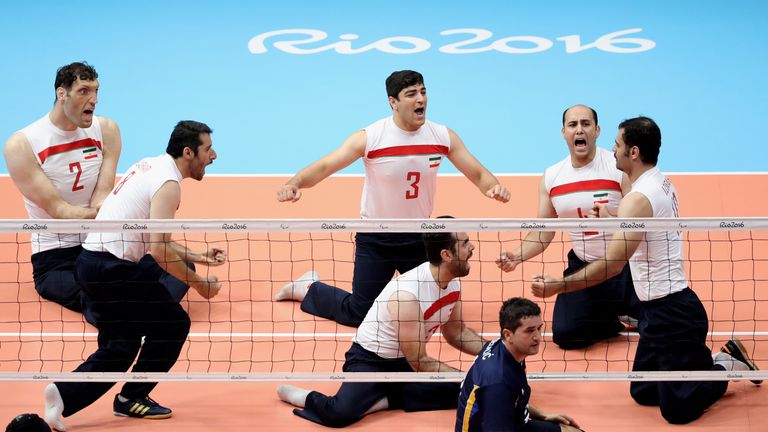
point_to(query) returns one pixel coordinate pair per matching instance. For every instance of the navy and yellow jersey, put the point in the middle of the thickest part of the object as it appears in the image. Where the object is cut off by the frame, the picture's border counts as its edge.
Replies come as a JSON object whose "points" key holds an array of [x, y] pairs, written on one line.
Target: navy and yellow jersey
{"points": [[494, 395]]}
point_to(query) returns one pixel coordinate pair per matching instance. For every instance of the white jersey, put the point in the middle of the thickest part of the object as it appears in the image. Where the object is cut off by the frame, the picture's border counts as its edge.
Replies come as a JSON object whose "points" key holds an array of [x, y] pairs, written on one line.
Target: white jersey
{"points": [[130, 199], [401, 169], [574, 191], [657, 264], [71, 160], [378, 331]]}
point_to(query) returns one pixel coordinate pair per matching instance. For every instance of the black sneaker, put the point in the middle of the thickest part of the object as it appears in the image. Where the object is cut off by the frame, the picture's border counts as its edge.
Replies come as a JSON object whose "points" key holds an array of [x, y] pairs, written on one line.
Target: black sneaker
{"points": [[141, 408], [736, 350]]}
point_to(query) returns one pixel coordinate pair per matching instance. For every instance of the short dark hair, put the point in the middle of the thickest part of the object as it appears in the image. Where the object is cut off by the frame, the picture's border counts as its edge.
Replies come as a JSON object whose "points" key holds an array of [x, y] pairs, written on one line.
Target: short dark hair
{"points": [[186, 134], [643, 133], [594, 113], [68, 74], [27, 423], [399, 80], [436, 242], [514, 310]]}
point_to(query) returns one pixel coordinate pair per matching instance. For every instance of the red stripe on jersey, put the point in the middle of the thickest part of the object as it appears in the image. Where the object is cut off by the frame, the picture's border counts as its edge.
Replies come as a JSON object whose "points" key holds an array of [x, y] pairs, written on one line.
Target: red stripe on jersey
{"points": [[441, 303], [409, 150], [584, 186], [61, 148]]}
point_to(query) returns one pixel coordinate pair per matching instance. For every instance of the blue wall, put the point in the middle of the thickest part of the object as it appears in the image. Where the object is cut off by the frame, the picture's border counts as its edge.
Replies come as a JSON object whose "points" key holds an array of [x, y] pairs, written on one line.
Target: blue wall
{"points": [[697, 67]]}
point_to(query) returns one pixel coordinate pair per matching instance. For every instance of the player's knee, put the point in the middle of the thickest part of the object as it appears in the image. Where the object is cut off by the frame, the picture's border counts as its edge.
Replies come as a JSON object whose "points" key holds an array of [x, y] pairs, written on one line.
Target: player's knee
{"points": [[679, 414], [576, 335], [644, 397], [177, 314], [182, 324], [568, 339], [177, 324], [121, 353]]}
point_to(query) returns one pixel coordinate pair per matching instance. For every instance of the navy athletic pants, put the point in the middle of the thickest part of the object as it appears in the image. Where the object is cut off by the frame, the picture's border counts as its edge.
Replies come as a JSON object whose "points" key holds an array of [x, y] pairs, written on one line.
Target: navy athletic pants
{"points": [[354, 398], [673, 338], [53, 272], [584, 317], [128, 304], [377, 257]]}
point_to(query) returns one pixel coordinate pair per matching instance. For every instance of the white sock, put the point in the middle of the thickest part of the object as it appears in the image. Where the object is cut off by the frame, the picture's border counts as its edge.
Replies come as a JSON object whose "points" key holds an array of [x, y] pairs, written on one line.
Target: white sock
{"points": [[295, 396], [728, 362], [380, 405], [297, 289], [54, 406]]}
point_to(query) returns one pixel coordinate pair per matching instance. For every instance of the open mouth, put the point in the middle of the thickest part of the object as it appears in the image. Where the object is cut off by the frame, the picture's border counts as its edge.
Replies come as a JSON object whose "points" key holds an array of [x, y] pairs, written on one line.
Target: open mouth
{"points": [[580, 143], [88, 112], [419, 111]]}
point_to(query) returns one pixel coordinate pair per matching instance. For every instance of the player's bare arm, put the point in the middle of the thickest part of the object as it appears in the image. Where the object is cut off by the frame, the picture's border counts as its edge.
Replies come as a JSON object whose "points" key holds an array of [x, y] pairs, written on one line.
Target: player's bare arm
{"points": [[473, 170], [35, 185], [163, 206], [111, 148], [567, 423], [210, 257], [459, 336], [535, 242], [620, 248], [351, 150], [404, 307]]}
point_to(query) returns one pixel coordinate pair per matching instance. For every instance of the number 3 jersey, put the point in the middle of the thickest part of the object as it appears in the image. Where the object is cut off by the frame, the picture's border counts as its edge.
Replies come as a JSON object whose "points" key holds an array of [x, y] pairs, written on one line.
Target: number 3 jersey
{"points": [[71, 160], [401, 169]]}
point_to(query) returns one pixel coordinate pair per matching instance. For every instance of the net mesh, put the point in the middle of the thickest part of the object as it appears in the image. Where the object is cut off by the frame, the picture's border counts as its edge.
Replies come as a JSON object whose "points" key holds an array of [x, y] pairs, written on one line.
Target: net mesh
{"points": [[242, 334]]}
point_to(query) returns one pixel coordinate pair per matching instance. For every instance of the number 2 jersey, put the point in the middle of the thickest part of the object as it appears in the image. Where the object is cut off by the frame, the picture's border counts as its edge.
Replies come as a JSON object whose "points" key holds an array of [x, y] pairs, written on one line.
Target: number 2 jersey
{"points": [[401, 169], [72, 161]]}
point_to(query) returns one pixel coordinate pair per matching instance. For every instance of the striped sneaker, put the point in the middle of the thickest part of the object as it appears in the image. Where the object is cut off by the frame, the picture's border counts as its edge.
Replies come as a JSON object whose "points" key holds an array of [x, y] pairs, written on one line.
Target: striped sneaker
{"points": [[141, 408], [737, 351]]}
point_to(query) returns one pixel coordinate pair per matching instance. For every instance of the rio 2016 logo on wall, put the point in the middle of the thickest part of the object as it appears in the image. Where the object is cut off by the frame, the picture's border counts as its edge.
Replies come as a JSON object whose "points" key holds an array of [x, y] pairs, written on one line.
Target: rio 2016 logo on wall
{"points": [[475, 41]]}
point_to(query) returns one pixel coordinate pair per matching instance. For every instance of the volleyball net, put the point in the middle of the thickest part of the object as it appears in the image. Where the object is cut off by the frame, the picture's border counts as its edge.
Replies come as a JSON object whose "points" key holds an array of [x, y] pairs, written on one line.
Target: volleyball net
{"points": [[242, 334]]}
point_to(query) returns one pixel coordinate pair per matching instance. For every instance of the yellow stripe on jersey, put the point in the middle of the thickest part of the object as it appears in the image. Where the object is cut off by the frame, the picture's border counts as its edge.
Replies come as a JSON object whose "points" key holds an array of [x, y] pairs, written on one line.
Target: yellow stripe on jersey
{"points": [[468, 409]]}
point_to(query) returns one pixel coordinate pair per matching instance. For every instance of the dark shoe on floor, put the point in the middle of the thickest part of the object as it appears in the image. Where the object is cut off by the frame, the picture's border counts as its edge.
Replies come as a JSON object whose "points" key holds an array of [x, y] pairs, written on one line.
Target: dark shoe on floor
{"points": [[141, 408], [737, 351]]}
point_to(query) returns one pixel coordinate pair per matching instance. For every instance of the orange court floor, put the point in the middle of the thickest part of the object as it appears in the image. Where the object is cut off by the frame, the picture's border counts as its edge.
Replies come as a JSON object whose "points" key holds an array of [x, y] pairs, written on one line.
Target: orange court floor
{"points": [[241, 406]]}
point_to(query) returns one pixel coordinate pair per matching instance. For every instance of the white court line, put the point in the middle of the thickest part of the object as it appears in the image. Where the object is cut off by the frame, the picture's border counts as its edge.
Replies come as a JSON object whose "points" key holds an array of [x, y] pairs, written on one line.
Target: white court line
{"points": [[302, 335]]}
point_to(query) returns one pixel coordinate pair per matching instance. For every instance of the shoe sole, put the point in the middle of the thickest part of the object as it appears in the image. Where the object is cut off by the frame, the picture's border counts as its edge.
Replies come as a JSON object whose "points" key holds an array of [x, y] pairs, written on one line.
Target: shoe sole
{"points": [[742, 357], [148, 417]]}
